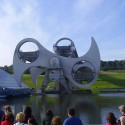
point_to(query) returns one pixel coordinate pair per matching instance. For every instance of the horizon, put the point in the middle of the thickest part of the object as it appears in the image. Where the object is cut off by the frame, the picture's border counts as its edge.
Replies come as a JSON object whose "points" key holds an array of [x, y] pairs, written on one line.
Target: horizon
{"points": [[100, 60]]}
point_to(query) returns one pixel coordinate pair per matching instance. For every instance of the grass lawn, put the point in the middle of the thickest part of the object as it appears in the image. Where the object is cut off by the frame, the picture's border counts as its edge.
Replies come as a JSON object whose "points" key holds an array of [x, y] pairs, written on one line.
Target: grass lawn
{"points": [[106, 79], [28, 81], [110, 79]]}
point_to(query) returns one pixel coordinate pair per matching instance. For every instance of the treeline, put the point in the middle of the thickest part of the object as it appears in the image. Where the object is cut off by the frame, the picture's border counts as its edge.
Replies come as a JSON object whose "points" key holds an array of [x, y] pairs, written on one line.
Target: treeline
{"points": [[8, 69], [113, 65], [105, 66]]}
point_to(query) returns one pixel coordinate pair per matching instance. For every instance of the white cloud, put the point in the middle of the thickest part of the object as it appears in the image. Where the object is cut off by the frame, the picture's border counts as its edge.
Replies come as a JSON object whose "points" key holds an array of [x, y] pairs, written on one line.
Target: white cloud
{"points": [[17, 25], [85, 7], [47, 23]]}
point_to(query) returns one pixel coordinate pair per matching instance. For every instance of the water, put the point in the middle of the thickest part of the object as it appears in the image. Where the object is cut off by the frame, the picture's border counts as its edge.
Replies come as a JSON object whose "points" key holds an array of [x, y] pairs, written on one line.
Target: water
{"points": [[92, 109]]}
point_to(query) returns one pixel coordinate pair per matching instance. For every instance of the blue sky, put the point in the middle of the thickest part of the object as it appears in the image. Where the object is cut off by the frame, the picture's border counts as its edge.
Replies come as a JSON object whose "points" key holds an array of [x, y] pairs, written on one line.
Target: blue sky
{"points": [[49, 20]]}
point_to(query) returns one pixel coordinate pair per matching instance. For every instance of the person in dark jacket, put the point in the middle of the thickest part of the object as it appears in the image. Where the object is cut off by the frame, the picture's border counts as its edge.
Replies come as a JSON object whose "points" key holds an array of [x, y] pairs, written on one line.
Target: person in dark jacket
{"points": [[2, 113], [32, 121], [48, 118], [28, 113]]}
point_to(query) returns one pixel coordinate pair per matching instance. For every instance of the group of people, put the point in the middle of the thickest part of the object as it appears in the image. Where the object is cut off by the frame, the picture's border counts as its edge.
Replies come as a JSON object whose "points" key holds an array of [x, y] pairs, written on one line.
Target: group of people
{"points": [[50, 119], [26, 117], [22, 118], [112, 120]]}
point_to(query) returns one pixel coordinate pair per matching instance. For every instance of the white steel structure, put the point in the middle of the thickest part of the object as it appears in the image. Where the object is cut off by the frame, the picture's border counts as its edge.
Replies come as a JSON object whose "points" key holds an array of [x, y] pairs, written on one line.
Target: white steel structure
{"points": [[63, 67]]}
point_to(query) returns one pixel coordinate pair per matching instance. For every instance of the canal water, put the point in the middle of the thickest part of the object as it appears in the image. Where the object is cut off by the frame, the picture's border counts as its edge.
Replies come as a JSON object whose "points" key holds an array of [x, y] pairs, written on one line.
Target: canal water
{"points": [[91, 109]]}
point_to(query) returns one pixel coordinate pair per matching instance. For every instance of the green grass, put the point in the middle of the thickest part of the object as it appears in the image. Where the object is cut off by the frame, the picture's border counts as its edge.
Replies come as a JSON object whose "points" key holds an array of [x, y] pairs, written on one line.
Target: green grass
{"points": [[112, 79], [107, 79], [28, 81]]}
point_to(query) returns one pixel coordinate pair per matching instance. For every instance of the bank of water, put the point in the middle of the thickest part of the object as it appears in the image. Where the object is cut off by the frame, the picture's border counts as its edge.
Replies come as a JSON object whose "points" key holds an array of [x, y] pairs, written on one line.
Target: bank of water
{"points": [[92, 109]]}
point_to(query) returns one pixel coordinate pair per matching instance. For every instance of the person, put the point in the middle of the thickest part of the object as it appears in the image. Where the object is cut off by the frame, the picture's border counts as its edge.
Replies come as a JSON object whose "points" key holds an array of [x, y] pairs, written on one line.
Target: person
{"points": [[122, 118], [8, 119], [20, 118], [111, 119], [48, 118], [32, 121], [28, 113], [7, 109], [2, 113], [56, 120], [72, 120]]}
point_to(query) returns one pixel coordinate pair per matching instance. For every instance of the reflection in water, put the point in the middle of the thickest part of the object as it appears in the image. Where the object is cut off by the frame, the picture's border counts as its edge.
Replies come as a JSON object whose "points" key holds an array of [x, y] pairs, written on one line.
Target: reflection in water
{"points": [[91, 109]]}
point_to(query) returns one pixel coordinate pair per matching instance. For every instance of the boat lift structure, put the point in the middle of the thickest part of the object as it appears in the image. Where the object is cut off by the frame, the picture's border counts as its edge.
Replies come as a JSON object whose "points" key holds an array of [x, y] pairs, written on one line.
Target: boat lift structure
{"points": [[65, 68]]}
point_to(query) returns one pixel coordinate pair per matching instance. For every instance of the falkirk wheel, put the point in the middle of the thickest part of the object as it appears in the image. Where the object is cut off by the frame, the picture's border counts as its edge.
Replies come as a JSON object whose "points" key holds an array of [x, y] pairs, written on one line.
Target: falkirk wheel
{"points": [[68, 71]]}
